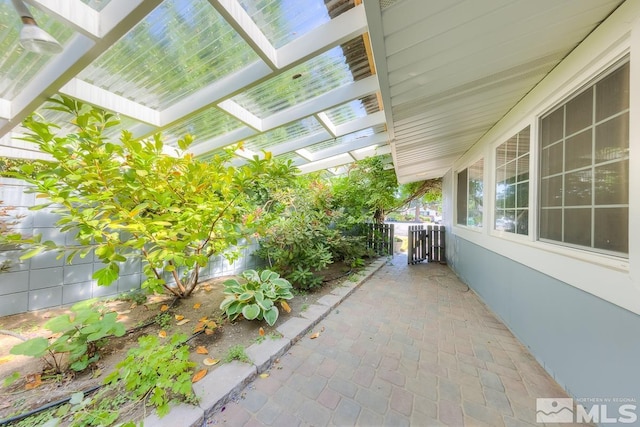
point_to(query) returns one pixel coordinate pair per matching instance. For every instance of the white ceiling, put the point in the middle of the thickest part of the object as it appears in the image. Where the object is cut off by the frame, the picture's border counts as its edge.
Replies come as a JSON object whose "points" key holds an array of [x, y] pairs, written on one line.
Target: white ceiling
{"points": [[445, 72], [450, 69]]}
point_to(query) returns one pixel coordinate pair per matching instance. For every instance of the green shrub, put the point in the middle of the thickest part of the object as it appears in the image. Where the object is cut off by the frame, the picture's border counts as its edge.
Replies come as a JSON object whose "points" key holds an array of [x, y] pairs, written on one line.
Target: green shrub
{"points": [[82, 335], [257, 297]]}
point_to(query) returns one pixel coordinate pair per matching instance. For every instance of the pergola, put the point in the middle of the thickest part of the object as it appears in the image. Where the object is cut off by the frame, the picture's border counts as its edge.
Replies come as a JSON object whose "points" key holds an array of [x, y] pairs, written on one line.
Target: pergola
{"points": [[320, 82]]}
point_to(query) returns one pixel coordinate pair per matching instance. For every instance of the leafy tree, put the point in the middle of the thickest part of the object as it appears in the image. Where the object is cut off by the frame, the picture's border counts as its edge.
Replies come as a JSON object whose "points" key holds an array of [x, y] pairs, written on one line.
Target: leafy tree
{"points": [[130, 199]]}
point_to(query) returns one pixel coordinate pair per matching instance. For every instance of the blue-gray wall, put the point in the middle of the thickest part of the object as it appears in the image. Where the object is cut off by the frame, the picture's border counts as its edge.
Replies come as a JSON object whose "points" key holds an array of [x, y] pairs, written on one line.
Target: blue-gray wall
{"points": [[590, 346]]}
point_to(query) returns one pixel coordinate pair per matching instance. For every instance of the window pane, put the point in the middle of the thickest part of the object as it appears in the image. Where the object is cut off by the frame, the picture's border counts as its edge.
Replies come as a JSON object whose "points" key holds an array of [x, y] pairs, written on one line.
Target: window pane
{"points": [[510, 196], [523, 141], [578, 151], [522, 197], [577, 226], [499, 220], [474, 216], [511, 148], [501, 157], [552, 127], [551, 191], [578, 188], [580, 112], [523, 168], [462, 197], [551, 224], [552, 160], [510, 172], [611, 226], [612, 139], [501, 188], [522, 222], [612, 183], [612, 93]]}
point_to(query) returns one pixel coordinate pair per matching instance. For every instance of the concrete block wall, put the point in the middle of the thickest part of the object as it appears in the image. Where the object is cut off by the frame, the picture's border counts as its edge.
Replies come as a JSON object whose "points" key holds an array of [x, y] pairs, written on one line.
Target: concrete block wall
{"points": [[46, 281]]}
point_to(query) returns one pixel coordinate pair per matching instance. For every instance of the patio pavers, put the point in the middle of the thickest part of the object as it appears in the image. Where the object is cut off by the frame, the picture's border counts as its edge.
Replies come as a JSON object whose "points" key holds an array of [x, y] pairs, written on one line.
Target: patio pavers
{"points": [[410, 346]]}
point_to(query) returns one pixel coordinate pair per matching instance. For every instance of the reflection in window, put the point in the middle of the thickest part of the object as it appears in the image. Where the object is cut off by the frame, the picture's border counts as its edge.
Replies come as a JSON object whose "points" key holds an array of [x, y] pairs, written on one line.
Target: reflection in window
{"points": [[470, 193], [512, 184], [584, 168]]}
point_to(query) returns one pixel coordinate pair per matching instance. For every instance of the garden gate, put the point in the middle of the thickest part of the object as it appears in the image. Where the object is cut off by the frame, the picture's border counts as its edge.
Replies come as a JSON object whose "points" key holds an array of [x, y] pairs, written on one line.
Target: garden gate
{"points": [[379, 238], [425, 244]]}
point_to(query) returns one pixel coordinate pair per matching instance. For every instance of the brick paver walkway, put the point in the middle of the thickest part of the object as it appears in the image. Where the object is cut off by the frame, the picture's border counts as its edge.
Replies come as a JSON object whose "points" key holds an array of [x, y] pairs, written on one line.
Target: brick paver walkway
{"points": [[411, 346]]}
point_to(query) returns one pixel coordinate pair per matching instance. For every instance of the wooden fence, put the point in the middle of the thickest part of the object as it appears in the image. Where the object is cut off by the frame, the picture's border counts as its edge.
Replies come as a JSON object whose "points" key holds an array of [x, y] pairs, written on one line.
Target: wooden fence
{"points": [[379, 238], [426, 244]]}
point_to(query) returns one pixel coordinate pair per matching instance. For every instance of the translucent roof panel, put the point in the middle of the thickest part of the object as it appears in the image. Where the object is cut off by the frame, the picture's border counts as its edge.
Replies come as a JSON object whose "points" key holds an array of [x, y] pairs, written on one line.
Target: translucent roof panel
{"points": [[151, 64], [282, 21], [205, 125], [282, 134], [96, 5], [346, 139], [353, 110], [295, 158], [18, 66], [306, 81]]}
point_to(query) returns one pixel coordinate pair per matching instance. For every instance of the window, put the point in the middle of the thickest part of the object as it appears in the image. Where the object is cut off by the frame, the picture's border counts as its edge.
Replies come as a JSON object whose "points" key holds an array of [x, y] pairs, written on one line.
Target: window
{"points": [[584, 168], [512, 184], [469, 202]]}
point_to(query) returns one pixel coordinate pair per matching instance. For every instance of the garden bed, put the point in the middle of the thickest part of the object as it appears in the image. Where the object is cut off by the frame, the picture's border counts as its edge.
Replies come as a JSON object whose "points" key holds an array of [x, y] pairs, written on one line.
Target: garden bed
{"points": [[150, 315]]}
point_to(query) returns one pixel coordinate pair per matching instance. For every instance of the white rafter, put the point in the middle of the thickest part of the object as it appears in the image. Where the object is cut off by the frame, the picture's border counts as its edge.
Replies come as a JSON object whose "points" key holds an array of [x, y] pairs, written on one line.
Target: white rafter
{"points": [[241, 114], [330, 162], [242, 23], [82, 18], [326, 123]]}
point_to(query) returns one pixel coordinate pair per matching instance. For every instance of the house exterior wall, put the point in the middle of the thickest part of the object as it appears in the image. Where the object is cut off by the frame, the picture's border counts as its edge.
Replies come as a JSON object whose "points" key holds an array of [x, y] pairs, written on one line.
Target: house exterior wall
{"points": [[45, 281], [577, 311]]}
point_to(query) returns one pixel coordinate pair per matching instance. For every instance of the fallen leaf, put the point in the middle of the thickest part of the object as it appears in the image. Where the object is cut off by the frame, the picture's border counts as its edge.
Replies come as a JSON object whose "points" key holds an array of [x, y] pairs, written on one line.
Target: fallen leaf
{"points": [[285, 306], [164, 307], [207, 288], [211, 324], [182, 322], [124, 312], [261, 332], [162, 334], [314, 335], [196, 305], [179, 317], [33, 381], [134, 305], [203, 319], [201, 350], [6, 359], [208, 331], [199, 327], [265, 375], [198, 376], [210, 362]]}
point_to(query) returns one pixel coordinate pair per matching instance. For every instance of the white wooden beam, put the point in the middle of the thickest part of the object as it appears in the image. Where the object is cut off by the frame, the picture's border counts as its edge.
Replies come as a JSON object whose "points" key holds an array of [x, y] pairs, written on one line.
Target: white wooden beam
{"points": [[371, 120], [322, 102], [242, 23], [241, 114], [5, 109], [77, 15], [326, 123], [356, 144], [337, 31], [296, 144], [95, 95], [331, 162], [222, 141]]}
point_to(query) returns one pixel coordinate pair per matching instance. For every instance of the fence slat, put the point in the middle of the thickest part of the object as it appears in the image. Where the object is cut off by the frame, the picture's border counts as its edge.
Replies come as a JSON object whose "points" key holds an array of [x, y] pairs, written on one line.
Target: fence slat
{"points": [[426, 245]]}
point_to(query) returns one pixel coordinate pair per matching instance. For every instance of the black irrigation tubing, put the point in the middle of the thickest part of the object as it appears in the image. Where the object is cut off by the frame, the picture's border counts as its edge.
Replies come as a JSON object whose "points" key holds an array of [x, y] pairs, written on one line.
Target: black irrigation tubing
{"points": [[8, 421]]}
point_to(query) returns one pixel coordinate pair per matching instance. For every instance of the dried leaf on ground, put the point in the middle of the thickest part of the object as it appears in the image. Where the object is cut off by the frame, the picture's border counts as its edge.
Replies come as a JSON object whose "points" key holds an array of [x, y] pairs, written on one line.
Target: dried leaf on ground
{"points": [[164, 307], [199, 375], [314, 335], [199, 327], [33, 381], [179, 317], [183, 321], [196, 306], [264, 375], [208, 331], [162, 334], [201, 350], [285, 306], [210, 362], [261, 332]]}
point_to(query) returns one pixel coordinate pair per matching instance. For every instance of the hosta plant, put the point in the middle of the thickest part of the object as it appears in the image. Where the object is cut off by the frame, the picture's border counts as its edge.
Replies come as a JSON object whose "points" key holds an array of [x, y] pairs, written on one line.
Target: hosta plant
{"points": [[257, 296], [82, 334]]}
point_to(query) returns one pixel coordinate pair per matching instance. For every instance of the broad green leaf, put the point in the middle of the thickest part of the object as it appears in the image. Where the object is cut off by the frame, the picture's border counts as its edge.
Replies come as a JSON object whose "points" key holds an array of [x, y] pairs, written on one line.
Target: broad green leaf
{"points": [[251, 311], [35, 347], [271, 315]]}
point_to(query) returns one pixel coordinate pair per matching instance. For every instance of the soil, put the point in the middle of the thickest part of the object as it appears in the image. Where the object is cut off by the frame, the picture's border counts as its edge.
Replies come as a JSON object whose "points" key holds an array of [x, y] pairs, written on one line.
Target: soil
{"points": [[139, 318]]}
